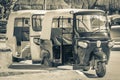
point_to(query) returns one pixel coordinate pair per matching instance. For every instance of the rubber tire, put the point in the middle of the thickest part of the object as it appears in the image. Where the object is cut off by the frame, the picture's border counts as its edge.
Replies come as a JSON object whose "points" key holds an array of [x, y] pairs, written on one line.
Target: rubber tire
{"points": [[46, 62], [101, 69]]}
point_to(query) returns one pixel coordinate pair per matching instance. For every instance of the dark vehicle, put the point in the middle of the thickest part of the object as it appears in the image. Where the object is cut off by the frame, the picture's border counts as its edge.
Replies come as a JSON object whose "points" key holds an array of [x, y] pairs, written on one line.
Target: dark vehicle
{"points": [[77, 37]]}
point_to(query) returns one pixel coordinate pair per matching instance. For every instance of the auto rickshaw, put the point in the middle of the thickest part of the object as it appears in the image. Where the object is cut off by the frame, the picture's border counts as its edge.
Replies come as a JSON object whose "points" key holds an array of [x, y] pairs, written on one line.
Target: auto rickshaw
{"points": [[22, 27], [91, 40], [80, 37], [115, 30]]}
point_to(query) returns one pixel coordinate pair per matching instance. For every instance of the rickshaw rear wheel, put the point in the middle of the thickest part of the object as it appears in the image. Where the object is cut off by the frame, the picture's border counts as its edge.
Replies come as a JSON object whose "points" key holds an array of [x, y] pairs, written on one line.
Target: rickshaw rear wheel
{"points": [[46, 59], [46, 62], [101, 69]]}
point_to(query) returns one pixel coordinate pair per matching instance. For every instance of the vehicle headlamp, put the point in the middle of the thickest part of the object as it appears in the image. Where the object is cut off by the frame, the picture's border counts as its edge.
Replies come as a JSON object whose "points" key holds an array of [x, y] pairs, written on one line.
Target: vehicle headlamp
{"points": [[98, 43], [83, 44], [111, 44]]}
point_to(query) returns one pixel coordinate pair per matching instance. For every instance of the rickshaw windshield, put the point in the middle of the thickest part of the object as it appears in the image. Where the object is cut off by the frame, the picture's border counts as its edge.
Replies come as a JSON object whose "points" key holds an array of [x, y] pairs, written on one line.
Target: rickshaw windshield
{"points": [[91, 23]]}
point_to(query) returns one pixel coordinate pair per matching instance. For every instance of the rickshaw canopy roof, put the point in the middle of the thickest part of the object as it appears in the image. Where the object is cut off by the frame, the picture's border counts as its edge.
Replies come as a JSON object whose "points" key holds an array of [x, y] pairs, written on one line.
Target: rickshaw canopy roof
{"points": [[20, 14], [27, 13]]}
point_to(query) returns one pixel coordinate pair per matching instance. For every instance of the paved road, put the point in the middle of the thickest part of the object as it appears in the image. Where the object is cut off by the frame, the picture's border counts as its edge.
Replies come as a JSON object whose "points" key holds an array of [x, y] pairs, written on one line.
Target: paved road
{"points": [[36, 72], [113, 68]]}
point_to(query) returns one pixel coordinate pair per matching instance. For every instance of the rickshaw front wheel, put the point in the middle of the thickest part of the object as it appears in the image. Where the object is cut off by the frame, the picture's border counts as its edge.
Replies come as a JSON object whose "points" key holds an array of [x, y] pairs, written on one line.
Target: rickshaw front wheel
{"points": [[101, 69]]}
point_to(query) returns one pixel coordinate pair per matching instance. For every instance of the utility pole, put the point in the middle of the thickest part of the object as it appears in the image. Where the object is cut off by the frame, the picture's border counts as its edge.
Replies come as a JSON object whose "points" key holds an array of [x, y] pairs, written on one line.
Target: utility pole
{"points": [[44, 4], [70, 3]]}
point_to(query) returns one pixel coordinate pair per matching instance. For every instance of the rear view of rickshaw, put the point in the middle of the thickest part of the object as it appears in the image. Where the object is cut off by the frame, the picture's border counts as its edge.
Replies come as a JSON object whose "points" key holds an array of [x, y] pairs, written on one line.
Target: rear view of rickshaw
{"points": [[91, 40], [23, 26], [79, 37]]}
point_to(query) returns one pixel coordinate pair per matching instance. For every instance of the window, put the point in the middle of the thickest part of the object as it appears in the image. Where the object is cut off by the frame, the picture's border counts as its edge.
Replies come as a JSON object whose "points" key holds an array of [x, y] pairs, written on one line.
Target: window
{"points": [[21, 29], [62, 30], [116, 21], [62, 22], [90, 23], [37, 22], [22, 22]]}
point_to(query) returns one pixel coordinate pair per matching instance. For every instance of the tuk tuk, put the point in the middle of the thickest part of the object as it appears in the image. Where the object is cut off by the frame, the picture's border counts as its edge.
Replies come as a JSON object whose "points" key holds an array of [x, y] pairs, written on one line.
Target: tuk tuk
{"points": [[22, 27], [80, 37], [115, 30]]}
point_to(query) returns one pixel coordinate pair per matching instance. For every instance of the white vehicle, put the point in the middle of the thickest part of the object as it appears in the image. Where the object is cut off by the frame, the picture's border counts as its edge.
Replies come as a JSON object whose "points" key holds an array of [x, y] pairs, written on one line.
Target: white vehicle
{"points": [[54, 24], [22, 27], [115, 29]]}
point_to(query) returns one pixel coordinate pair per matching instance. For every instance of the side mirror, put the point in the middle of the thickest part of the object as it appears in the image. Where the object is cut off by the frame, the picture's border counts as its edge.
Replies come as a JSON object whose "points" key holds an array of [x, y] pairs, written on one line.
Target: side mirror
{"points": [[36, 41]]}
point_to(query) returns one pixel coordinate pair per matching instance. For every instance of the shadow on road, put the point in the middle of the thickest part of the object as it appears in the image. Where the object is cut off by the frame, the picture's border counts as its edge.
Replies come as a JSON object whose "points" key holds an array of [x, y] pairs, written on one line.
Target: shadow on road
{"points": [[20, 69], [38, 67], [89, 75], [31, 67]]}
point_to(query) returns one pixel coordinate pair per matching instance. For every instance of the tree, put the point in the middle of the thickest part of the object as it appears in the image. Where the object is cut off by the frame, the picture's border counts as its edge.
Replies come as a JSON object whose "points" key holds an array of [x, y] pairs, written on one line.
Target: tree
{"points": [[5, 3], [6, 6]]}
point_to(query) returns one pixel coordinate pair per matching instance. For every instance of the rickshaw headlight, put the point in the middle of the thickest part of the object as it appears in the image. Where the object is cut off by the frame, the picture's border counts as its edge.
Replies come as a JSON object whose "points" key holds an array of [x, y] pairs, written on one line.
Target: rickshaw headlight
{"points": [[98, 43], [111, 44], [83, 44]]}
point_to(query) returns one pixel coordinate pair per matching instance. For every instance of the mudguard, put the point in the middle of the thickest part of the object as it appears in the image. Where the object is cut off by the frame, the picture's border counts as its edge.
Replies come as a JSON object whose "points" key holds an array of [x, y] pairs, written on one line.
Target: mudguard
{"points": [[101, 56]]}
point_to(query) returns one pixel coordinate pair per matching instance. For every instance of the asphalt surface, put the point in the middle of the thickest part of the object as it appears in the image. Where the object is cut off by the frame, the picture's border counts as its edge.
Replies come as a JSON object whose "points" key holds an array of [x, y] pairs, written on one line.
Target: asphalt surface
{"points": [[113, 69], [37, 72]]}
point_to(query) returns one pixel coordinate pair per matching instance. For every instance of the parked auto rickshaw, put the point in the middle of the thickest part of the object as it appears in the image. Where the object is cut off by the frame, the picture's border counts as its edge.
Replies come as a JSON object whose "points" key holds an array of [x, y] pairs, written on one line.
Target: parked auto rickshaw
{"points": [[77, 37], [115, 29], [22, 27], [54, 38], [91, 40]]}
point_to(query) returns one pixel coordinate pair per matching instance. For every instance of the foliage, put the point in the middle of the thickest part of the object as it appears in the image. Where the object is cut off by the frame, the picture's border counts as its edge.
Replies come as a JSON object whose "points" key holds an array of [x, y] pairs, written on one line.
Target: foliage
{"points": [[5, 2]]}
